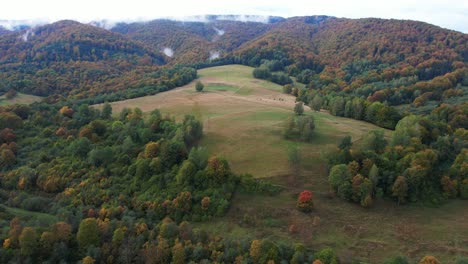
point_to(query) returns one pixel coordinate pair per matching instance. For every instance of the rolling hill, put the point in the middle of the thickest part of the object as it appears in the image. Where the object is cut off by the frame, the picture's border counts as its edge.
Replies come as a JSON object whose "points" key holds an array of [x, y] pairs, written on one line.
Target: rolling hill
{"points": [[192, 42], [4, 31], [243, 121], [67, 56], [118, 182], [390, 61]]}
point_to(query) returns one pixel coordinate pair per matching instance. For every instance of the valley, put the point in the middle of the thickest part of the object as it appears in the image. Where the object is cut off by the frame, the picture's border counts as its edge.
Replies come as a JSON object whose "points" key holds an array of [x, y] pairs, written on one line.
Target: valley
{"points": [[243, 121], [234, 139]]}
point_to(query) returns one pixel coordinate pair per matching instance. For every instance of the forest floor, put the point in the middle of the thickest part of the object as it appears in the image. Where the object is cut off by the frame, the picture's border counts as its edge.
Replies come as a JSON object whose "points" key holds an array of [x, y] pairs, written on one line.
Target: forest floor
{"points": [[243, 121]]}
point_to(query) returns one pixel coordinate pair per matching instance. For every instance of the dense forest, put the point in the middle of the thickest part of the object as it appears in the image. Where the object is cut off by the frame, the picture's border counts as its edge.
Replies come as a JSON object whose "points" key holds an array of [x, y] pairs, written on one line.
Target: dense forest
{"points": [[424, 160], [193, 42], [117, 189], [389, 61]]}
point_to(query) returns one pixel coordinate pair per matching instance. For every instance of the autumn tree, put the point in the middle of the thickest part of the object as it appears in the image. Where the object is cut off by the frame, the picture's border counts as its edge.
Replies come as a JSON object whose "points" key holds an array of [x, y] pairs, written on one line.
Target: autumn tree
{"points": [[88, 260], [178, 253], [326, 256], [163, 252], [67, 111], [205, 202], [255, 249], [217, 169], [429, 260], [449, 187], [7, 157], [62, 231], [400, 189], [10, 120], [304, 201]]}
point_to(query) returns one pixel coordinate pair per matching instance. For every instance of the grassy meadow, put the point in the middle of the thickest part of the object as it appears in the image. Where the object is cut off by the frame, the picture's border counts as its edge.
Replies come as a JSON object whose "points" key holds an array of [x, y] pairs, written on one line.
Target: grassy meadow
{"points": [[243, 121], [20, 98]]}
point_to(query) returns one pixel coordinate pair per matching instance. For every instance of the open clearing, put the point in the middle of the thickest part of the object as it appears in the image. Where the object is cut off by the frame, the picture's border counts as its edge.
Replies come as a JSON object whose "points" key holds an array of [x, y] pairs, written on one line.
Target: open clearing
{"points": [[243, 119], [20, 98]]}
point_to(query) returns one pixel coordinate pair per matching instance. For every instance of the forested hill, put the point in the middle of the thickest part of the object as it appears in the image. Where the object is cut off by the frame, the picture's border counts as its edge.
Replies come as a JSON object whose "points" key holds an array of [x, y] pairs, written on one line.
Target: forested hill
{"points": [[338, 41], [192, 42], [3, 31], [393, 61], [67, 56]]}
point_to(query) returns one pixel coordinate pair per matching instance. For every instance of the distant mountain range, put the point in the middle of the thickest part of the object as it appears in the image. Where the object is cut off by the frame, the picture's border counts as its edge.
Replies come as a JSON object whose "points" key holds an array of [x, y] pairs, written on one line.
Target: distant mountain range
{"points": [[4, 31], [65, 56]]}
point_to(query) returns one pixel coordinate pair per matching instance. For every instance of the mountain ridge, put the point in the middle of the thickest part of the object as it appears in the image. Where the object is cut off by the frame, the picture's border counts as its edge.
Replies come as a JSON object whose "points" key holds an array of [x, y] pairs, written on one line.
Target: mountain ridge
{"points": [[343, 54]]}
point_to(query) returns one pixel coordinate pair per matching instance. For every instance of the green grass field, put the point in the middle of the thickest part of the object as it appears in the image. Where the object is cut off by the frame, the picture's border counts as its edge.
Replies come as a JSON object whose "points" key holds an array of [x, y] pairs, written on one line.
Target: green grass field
{"points": [[243, 121], [20, 99], [244, 117]]}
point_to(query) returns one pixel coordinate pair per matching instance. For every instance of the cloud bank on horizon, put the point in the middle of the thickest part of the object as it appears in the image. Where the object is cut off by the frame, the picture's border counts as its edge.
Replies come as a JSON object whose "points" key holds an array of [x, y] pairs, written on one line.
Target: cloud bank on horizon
{"points": [[451, 14]]}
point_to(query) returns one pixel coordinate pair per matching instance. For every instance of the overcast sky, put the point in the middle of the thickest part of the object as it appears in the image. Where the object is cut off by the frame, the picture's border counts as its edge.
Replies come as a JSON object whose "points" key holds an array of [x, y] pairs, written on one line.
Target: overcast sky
{"points": [[452, 14]]}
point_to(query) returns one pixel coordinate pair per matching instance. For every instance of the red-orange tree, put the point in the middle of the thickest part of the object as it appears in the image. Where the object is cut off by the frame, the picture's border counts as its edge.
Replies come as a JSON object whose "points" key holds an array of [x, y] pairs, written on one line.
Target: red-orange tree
{"points": [[305, 202]]}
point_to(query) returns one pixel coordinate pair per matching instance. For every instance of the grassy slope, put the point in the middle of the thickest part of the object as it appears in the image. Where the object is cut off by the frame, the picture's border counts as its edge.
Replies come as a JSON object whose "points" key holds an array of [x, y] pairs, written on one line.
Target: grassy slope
{"points": [[20, 98], [243, 120]]}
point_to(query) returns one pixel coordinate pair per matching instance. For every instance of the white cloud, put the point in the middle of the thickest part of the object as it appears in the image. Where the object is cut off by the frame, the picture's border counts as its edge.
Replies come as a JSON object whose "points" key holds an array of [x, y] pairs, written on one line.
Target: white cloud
{"points": [[449, 13], [168, 52]]}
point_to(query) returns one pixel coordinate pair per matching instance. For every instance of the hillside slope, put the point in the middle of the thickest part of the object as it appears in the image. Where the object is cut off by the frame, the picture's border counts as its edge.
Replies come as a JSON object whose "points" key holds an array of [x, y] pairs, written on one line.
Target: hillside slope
{"points": [[244, 118], [192, 42], [4, 31], [391, 61], [66, 56]]}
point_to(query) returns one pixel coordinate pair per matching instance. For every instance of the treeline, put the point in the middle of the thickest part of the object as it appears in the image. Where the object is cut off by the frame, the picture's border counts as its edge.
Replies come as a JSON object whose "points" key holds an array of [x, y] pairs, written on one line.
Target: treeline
{"points": [[424, 65], [83, 80], [425, 160], [347, 106], [275, 70], [162, 80]]}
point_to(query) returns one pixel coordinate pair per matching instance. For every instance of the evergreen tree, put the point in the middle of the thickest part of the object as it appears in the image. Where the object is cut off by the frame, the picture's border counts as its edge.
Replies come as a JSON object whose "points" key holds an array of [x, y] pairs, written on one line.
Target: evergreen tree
{"points": [[199, 86]]}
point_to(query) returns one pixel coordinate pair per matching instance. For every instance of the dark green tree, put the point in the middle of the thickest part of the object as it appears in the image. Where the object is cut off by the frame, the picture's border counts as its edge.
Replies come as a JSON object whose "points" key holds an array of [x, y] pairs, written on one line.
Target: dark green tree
{"points": [[28, 241], [106, 112], [316, 103], [199, 86], [88, 233], [299, 108]]}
